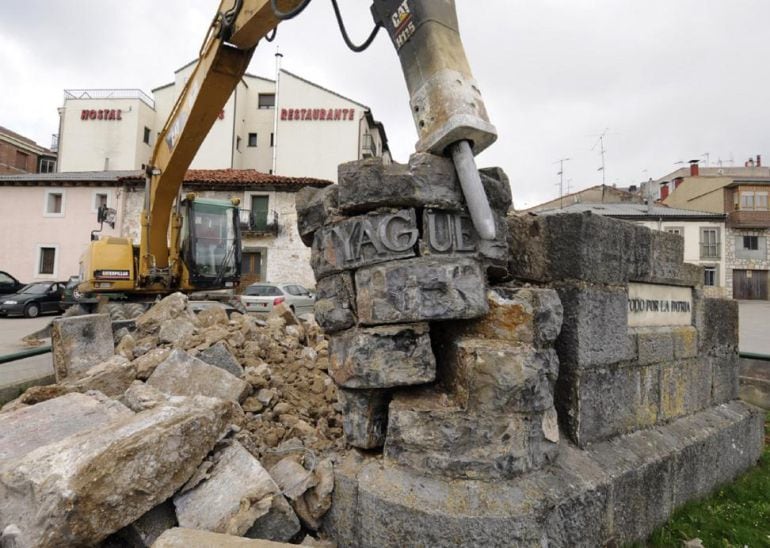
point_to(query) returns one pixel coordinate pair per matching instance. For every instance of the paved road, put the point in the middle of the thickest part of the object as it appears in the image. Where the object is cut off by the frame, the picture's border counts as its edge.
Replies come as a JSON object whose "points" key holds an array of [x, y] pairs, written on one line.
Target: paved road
{"points": [[12, 330], [755, 327]]}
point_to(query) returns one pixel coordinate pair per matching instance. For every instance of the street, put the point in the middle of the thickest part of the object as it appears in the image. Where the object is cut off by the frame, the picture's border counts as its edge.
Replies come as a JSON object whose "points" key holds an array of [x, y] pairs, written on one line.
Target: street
{"points": [[12, 330], [755, 327]]}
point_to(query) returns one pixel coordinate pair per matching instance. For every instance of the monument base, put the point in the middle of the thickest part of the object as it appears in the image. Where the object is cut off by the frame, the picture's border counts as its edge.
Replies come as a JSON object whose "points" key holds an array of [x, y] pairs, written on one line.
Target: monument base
{"points": [[613, 492]]}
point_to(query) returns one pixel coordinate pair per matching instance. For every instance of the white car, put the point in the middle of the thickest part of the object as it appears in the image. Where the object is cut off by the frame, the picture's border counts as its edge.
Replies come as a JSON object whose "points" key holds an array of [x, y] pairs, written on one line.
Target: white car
{"points": [[260, 298]]}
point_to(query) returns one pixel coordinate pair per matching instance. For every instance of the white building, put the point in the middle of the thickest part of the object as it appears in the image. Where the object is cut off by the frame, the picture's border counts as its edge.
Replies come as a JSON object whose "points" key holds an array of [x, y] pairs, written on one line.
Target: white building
{"points": [[703, 234], [304, 130]]}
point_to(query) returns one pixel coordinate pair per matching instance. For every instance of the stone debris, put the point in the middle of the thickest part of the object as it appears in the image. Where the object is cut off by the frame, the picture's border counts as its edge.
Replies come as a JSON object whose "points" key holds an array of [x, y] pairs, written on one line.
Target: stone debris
{"points": [[79, 343], [150, 434], [179, 537]]}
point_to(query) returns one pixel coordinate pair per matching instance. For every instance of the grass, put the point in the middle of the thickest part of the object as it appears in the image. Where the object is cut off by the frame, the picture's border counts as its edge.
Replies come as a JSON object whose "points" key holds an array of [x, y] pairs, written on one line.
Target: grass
{"points": [[737, 515]]}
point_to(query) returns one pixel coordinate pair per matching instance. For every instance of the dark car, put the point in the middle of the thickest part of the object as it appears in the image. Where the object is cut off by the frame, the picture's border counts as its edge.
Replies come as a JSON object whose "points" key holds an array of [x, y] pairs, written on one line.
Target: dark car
{"points": [[9, 284], [70, 296], [33, 299]]}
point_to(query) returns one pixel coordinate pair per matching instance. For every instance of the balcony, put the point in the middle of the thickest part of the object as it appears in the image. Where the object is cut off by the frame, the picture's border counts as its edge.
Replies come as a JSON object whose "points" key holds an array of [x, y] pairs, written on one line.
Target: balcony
{"points": [[748, 219], [259, 223], [368, 148]]}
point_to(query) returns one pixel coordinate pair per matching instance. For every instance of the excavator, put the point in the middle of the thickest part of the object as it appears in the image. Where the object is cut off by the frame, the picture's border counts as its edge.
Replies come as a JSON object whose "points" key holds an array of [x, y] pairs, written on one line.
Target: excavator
{"points": [[192, 244]]}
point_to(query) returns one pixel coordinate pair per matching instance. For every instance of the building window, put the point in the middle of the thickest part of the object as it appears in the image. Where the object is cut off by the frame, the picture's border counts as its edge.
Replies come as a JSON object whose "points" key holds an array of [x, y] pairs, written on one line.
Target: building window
{"points": [[21, 160], [100, 199], [54, 204], [710, 276], [751, 243], [266, 100], [678, 230], [747, 200], [252, 139], [760, 201], [259, 209], [47, 165], [146, 135], [709, 243], [272, 139], [47, 260]]}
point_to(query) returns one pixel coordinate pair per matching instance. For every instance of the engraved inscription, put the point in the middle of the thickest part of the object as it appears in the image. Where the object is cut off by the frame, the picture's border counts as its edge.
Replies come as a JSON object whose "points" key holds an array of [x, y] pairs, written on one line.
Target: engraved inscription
{"points": [[651, 305]]}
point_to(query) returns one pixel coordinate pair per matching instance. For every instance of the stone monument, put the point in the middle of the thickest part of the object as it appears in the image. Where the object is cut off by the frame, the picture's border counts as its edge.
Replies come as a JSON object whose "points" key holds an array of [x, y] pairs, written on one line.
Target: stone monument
{"points": [[567, 384]]}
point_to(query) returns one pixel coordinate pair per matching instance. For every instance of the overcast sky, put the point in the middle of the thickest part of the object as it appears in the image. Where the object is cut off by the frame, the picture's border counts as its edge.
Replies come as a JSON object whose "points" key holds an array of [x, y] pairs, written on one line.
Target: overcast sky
{"points": [[668, 80]]}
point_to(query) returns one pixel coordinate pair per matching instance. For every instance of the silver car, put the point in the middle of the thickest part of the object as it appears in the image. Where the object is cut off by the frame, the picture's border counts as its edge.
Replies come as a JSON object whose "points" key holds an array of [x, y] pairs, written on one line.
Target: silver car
{"points": [[260, 298]]}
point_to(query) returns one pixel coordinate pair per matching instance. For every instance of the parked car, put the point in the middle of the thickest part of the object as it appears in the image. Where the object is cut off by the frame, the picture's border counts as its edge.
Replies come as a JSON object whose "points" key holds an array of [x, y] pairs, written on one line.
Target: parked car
{"points": [[70, 295], [9, 284], [260, 298], [33, 299]]}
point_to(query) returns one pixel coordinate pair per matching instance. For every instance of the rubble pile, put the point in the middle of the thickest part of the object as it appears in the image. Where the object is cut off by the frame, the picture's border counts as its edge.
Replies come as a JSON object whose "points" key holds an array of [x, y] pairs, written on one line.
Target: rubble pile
{"points": [[176, 420]]}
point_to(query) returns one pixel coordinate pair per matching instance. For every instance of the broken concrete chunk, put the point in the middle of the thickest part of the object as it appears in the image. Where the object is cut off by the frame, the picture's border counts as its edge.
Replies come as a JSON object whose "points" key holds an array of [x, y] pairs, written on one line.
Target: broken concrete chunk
{"points": [[176, 329], [112, 377], [126, 346], [319, 497], [26, 429], [219, 356], [145, 531], [190, 538], [173, 306], [235, 494], [141, 397], [427, 180], [211, 316], [36, 394], [382, 357], [365, 416], [87, 486], [146, 364], [80, 342], [335, 302], [427, 288], [293, 478], [183, 375]]}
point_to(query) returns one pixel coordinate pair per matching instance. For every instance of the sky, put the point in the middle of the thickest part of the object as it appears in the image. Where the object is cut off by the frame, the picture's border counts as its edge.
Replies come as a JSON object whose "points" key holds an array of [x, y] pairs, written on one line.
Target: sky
{"points": [[665, 81]]}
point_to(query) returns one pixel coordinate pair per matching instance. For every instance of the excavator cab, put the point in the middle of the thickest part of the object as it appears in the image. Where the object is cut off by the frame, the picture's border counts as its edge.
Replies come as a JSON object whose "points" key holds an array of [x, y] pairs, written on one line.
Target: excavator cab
{"points": [[210, 244]]}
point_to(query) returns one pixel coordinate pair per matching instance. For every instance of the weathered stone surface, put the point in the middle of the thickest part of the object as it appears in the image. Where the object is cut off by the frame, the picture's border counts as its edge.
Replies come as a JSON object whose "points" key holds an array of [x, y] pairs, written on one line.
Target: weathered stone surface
{"points": [[382, 357], [36, 394], [141, 397], [427, 288], [146, 363], [603, 496], [183, 375], [145, 531], [83, 488], [169, 308], [80, 342], [430, 433], [188, 538], [315, 207], [654, 344], [427, 180], [176, 329], [236, 493], [365, 416], [495, 254], [126, 346], [521, 316], [594, 330], [335, 302], [726, 373], [448, 233], [293, 478], [26, 429], [685, 342], [111, 377], [364, 240], [498, 189], [717, 321], [685, 387], [493, 376], [219, 356]]}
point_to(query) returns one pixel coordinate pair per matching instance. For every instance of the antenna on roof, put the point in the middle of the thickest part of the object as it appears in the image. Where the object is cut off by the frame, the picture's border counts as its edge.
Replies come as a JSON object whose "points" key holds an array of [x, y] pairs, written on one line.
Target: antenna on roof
{"points": [[561, 161], [602, 151]]}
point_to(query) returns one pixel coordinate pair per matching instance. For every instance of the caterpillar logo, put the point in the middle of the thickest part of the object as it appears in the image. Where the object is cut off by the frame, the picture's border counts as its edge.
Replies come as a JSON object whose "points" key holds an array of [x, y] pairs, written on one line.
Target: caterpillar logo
{"points": [[403, 24]]}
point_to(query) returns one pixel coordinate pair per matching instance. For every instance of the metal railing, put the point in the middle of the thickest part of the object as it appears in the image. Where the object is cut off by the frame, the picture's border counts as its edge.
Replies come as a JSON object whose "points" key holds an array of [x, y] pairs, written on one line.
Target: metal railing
{"points": [[109, 94], [259, 222]]}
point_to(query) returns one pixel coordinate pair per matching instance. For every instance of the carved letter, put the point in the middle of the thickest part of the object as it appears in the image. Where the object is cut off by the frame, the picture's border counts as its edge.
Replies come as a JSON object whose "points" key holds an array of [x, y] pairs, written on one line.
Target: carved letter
{"points": [[344, 239], [368, 237], [434, 241], [392, 236], [463, 234]]}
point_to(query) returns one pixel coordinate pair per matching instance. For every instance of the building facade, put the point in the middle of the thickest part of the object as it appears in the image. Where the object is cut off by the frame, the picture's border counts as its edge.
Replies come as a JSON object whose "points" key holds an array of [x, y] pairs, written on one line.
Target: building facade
{"points": [[292, 127], [703, 234], [46, 220], [21, 155]]}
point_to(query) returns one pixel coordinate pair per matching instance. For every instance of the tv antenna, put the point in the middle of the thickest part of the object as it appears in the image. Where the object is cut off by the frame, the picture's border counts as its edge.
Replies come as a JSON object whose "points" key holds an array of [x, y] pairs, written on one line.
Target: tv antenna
{"points": [[602, 151], [561, 161]]}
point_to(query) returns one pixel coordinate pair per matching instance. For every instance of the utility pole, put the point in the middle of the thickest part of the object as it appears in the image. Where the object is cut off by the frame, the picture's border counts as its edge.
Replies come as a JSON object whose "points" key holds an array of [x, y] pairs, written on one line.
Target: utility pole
{"points": [[706, 155], [561, 180]]}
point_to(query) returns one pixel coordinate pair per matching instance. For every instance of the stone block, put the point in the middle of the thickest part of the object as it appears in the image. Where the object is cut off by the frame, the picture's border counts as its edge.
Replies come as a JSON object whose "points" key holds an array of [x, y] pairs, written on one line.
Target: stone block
{"points": [[382, 357], [685, 387], [490, 376], [654, 344], [170, 307], [364, 240], [429, 433], [601, 403], [528, 252], [685, 342], [315, 207], [667, 255], [498, 189], [87, 486], [176, 329], [188, 538], [427, 180], [495, 254], [423, 289], [234, 496], [182, 375], [111, 377], [364, 416], [594, 331], [725, 368], [147, 529], [146, 363], [24, 430], [219, 356], [520, 316], [692, 275], [80, 342], [335, 302], [717, 321]]}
